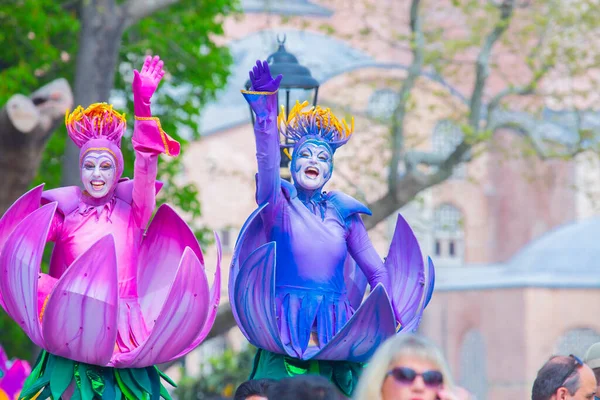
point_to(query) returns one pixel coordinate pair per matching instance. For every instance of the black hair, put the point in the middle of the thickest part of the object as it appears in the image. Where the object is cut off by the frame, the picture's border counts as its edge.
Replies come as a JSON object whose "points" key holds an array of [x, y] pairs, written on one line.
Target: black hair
{"points": [[553, 375], [258, 387], [304, 387]]}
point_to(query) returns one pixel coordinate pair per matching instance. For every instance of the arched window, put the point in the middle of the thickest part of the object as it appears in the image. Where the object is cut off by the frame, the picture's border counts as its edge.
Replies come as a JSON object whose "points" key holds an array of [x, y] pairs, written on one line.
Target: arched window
{"points": [[382, 104], [473, 368], [448, 235], [445, 138], [576, 341]]}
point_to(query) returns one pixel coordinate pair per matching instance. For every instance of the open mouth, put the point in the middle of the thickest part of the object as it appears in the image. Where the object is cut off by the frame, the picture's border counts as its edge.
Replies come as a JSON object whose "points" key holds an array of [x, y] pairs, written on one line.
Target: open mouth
{"points": [[97, 185], [311, 172]]}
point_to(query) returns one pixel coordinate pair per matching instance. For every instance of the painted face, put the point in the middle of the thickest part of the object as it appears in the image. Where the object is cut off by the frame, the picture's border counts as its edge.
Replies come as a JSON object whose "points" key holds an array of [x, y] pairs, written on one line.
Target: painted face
{"points": [[98, 173], [312, 165], [409, 383]]}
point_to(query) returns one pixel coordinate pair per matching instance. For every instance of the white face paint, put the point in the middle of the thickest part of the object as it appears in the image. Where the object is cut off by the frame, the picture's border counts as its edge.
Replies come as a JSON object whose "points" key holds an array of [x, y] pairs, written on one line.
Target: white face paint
{"points": [[312, 166], [98, 171]]}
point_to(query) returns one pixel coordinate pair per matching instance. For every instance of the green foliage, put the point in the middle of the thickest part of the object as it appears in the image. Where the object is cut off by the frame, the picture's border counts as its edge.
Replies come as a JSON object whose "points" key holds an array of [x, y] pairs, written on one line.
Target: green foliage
{"points": [[219, 377], [40, 39], [37, 38]]}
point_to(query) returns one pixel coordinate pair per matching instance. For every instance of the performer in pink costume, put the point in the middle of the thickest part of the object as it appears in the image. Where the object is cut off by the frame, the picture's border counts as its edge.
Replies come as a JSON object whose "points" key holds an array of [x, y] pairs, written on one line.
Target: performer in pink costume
{"points": [[114, 296]]}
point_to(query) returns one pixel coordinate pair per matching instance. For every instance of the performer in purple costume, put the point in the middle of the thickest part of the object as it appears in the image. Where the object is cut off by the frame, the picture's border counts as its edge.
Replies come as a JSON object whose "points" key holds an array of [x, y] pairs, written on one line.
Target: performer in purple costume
{"points": [[304, 257], [120, 296]]}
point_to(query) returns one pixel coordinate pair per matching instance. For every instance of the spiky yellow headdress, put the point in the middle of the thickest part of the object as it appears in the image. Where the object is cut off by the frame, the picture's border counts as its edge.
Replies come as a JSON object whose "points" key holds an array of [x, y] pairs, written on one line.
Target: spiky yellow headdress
{"points": [[314, 123], [98, 121]]}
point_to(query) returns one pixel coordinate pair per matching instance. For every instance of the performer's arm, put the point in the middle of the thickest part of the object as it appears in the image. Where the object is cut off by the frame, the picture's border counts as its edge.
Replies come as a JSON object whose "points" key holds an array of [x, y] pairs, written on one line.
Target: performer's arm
{"points": [[149, 141], [263, 99], [363, 252], [55, 226]]}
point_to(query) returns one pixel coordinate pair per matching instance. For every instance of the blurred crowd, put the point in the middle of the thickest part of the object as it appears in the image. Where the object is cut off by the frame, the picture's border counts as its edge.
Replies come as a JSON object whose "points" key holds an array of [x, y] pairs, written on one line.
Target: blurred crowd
{"points": [[411, 367]]}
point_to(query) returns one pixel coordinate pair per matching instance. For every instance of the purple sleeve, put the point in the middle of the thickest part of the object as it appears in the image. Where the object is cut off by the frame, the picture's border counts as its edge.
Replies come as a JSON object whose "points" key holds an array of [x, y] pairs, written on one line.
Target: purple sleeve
{"points": [[149, 141], [268, 154], [363, 252]]}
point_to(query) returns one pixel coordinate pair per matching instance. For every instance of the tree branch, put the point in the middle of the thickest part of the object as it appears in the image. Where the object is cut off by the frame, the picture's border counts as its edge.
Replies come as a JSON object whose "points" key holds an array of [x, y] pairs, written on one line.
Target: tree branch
{"points": [[138, 9], [417, 45], [483, 60]]}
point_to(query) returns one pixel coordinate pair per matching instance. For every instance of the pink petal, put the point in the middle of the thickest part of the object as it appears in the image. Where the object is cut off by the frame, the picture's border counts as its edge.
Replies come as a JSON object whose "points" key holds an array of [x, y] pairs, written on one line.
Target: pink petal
{"points": [[45, 285], [20, 267], [80, 322], [215, 298], [3, 359], [180, 320], [15, 377], [24, 206], [166, 239]]}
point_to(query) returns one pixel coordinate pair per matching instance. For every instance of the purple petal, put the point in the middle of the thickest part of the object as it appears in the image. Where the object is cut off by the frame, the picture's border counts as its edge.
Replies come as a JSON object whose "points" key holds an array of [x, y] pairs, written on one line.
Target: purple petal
{"points": [[251, 237], [407, 274], [20, 267], [80, 321], [254, 297], [24, 206], [430, 283], [215, 298], [180, 320], [413, 324], [161, 250], [370, 326]]}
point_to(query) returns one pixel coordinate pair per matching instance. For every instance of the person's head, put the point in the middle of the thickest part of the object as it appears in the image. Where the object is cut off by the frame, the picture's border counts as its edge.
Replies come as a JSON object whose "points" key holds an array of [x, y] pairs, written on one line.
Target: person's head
{"points": [[592, 359], [97, 131], [253, 390], [304, 387], [315, 134], [564, 378], [312, 164], [405, 367]]}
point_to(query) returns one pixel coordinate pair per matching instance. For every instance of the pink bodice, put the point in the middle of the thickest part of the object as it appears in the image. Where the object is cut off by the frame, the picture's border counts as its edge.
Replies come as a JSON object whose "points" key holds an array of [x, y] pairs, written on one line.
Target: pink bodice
{"points": [[81, 220]]}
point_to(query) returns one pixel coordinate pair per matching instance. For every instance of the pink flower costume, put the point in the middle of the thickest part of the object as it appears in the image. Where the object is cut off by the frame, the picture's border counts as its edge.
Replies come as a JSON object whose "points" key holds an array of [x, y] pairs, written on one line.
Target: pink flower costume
{"points": [[12, 376], [119, 298]]}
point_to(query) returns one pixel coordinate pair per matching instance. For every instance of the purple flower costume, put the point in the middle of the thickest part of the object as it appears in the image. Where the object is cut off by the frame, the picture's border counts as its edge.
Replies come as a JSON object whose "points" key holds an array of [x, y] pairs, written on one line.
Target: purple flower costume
{"points": [[304, 257]]}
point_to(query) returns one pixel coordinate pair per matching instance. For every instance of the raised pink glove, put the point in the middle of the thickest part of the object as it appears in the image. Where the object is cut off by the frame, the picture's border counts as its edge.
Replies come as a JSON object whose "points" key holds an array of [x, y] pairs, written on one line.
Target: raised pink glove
{"points": [[145, 83]]}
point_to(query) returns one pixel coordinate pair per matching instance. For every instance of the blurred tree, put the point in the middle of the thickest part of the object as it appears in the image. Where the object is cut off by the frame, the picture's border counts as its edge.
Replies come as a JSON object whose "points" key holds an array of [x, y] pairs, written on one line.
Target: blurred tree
{"points": [[95, 45], [218, 378], [486, 57]]}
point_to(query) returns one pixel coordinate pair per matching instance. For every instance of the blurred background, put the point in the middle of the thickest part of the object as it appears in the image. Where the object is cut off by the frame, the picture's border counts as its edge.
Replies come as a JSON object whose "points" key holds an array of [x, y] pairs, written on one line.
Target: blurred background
{"points": [[475, 119]]}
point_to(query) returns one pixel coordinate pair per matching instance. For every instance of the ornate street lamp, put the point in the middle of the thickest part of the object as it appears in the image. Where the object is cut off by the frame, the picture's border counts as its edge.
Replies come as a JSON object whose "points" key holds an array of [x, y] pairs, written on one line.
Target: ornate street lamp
{"points": [[295, 77]]}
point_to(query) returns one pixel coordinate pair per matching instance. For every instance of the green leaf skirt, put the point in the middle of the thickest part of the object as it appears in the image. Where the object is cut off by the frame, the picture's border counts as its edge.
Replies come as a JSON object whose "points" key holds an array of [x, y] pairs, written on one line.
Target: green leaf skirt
{"points": [[58, 377], [343, 374]]}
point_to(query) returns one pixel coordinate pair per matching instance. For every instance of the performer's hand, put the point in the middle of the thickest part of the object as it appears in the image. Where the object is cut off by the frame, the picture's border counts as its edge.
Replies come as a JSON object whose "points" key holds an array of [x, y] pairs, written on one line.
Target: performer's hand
{"points": [[145, 83], [261, 78]]}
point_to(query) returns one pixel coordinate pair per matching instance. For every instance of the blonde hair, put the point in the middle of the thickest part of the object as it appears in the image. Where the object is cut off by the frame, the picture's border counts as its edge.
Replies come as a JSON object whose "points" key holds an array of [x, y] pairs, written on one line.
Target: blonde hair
{"points": [[403, 345]]}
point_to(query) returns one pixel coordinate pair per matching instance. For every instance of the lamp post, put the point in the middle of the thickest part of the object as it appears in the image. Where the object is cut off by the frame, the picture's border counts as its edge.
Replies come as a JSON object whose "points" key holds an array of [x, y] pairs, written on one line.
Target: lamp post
{"points": [[295, 77]]}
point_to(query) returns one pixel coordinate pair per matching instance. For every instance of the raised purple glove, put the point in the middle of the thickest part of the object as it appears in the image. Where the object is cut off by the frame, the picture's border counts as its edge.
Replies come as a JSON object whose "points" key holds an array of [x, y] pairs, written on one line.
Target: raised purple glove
{"points": [[261, 78], [145, 83]]}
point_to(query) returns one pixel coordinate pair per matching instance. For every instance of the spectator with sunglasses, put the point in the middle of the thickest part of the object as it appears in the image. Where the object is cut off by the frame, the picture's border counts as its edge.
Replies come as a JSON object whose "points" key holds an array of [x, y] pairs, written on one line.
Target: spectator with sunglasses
{"points": [[408, 367], [564, 378]]}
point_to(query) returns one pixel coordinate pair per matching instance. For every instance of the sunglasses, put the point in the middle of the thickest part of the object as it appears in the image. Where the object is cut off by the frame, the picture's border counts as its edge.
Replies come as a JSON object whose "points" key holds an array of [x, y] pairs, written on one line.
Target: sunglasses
{"points": [[576, 364], [406, 376]]}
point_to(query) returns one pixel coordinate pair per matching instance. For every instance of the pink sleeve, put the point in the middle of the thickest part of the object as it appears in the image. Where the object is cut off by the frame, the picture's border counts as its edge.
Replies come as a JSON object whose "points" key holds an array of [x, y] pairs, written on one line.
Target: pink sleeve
{"points": [[149, 140], [55, 227]]}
